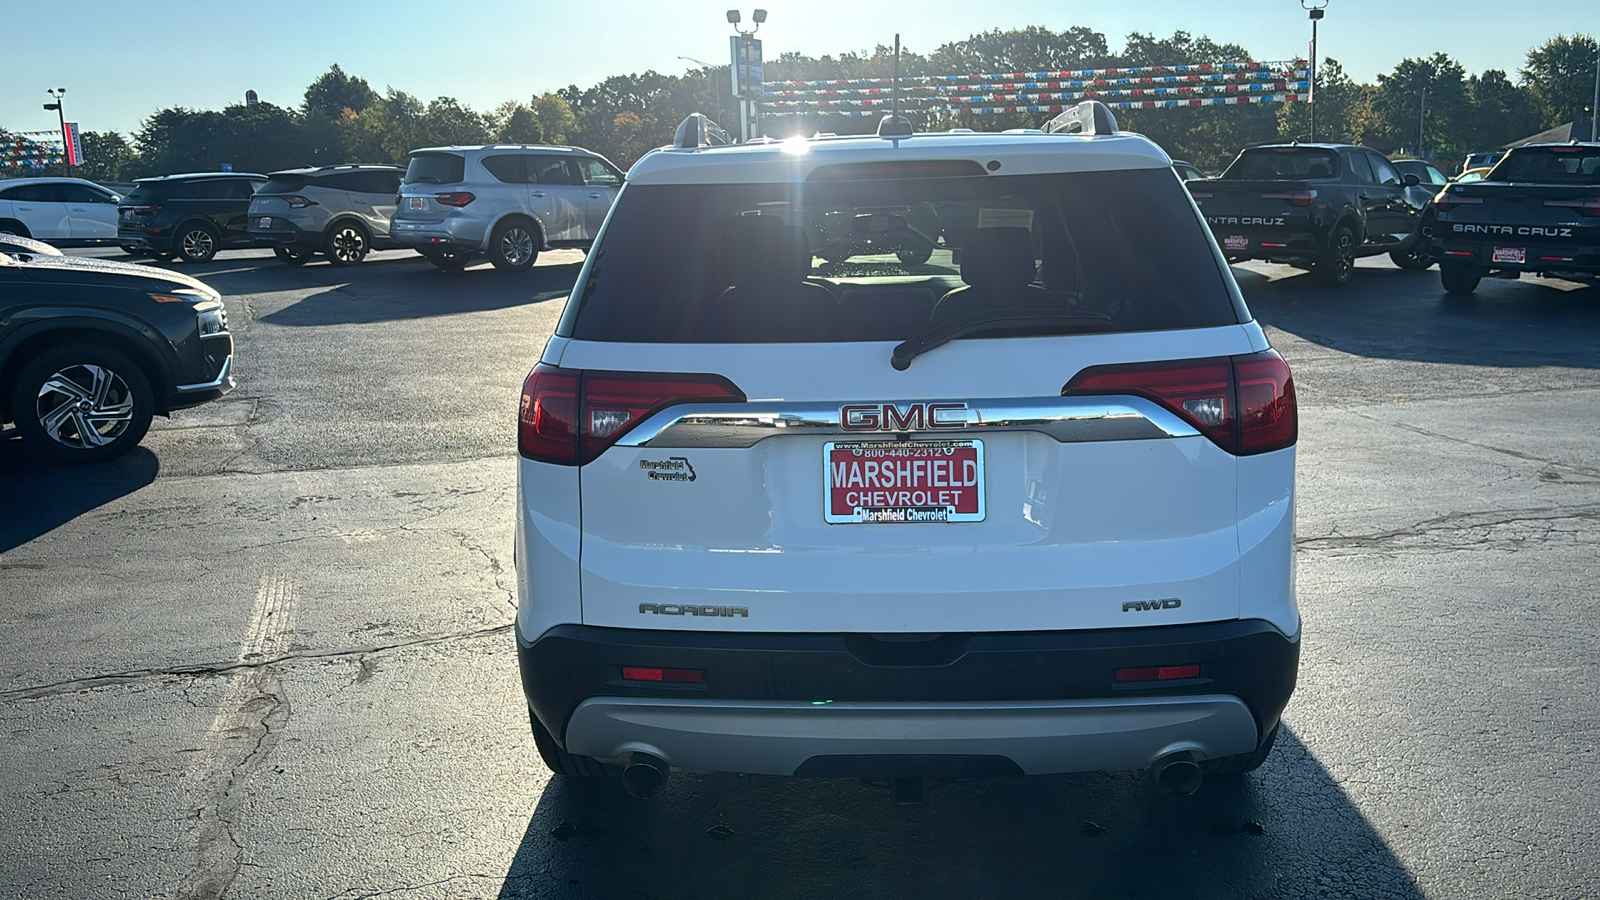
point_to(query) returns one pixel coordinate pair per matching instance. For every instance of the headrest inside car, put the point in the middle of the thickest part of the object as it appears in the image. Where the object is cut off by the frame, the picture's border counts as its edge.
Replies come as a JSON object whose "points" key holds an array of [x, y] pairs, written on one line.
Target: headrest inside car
{"points": [[998, 258]]}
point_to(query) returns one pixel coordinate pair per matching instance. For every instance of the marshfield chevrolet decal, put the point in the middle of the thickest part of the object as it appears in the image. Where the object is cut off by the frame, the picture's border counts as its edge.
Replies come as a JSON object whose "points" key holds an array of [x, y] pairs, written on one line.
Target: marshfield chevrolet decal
{"points": [[675, 468]]}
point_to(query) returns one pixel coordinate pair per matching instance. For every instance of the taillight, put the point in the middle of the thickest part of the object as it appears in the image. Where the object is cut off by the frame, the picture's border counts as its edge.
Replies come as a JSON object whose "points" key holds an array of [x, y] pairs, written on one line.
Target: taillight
{"points": [[1200, 195], [571, 416], [1293, 198], [296, 201], [1446, 201], [455, 198], [1589, 207], [1244, 404], [142, 208]]}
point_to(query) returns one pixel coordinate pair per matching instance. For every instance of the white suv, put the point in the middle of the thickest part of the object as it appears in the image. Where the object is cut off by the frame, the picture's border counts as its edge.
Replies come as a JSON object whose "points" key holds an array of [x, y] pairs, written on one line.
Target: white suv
{"points": [[1020, 504], [503, 201]]}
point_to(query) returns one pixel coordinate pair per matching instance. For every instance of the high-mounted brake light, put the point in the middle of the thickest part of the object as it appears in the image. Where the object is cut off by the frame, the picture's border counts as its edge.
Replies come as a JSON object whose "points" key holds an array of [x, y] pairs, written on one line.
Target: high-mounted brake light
{"points": [[1293, 198], [571, 416], [1244, 404], [455, 198]]}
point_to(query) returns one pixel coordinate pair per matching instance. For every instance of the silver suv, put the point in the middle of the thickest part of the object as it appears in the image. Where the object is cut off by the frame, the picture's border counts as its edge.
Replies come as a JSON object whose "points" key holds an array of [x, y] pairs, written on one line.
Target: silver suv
{"points": [[506, 202], [343, 211]]}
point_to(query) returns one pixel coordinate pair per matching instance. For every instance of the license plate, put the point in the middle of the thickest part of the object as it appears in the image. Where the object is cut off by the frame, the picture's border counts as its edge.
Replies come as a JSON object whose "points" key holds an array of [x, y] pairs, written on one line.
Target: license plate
{"points": [[127, 215], [1510, 254], [892, 482], [1236, 242], [264, 222], [416, 203]]}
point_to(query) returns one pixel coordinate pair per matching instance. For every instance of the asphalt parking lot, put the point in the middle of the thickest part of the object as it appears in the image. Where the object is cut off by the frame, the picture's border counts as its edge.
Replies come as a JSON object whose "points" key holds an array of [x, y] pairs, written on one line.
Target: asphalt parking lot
{"points": [[268, 653]]}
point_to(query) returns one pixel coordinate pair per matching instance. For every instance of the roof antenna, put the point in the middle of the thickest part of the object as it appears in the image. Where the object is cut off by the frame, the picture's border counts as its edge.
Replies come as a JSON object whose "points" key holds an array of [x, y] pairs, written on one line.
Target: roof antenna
{"points": [[894, 126]]}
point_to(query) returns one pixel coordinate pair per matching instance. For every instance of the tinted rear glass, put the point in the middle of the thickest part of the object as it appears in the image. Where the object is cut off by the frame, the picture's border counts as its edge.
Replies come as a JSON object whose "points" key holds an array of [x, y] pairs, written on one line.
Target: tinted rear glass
{"points": [[1284, 163], [883, 260], [144, 193], [436, 168], [1549, 165], [283, 184]]}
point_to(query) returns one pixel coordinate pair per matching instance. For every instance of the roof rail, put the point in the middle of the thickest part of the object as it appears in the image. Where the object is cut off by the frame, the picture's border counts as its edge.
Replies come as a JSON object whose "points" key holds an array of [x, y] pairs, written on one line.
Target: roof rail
{"points": [[1088, 117], [699, 131]]}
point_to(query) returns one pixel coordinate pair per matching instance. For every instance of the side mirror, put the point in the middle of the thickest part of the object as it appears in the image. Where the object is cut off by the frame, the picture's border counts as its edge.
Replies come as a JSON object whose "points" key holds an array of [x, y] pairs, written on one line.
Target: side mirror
{"points": [[1412, 180]]}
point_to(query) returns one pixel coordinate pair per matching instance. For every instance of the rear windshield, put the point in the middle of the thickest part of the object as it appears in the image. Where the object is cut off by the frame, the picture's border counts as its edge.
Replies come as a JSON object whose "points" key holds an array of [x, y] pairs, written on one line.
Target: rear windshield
{"points": [[1271, 163], [144, 193], [283, 184], [1549, 165], [883, 260], [436, 168]]}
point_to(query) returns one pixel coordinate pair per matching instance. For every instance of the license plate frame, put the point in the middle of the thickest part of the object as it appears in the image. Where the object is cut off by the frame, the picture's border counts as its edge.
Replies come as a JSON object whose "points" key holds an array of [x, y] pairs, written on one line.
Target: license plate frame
{"points": [[1236, 242], [264, 222], [1518, 255], [928, 501]]}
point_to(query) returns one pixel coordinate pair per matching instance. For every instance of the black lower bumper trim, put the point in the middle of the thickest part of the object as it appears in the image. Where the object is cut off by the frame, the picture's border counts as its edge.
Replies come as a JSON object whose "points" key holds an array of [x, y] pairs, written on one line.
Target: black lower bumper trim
{"points": [[1249, 659]]}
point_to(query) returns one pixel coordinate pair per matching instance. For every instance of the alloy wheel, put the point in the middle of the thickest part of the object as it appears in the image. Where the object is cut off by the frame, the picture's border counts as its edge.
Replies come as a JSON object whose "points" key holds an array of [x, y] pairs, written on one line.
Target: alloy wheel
{"points": [[198, 244], [349, 245], [516, 246], [84, 406]]}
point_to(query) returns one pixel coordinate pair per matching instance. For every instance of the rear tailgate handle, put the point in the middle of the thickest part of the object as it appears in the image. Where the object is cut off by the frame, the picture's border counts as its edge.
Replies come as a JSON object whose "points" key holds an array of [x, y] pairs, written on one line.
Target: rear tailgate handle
{"points": [[538, 193]]}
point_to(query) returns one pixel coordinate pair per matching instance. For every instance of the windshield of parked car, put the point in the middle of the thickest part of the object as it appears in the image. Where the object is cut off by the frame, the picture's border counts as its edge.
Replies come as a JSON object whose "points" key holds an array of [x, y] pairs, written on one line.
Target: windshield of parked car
{"points": [[436, 168], [1272, 163], [876, 260], [1549, 165]]}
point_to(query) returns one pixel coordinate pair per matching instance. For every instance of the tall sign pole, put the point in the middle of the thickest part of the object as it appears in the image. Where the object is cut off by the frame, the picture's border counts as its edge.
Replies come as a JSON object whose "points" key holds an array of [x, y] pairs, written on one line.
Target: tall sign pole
{"points": [[744, 51], [1314, 8], [59, 95], [1594, 111]]}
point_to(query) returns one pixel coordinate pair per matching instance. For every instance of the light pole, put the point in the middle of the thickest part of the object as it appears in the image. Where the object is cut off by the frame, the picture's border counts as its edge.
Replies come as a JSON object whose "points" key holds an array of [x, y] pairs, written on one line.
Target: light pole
{"points": [[1422, 113], [745, 52], [715, 84], [1314, 9], [1594, 111], [59, 94]]}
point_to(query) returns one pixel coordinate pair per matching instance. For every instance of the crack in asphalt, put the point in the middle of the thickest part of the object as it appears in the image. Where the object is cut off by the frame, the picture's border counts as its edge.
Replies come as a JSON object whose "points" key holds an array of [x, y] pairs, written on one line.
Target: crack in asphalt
{"points": [[1515, 454], [1461, 523], [207, 670]]}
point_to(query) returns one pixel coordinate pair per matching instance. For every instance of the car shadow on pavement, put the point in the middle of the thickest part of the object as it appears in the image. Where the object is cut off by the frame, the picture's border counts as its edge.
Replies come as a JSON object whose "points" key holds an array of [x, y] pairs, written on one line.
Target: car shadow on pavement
{"points": [[39, 496], [1287, 830], [413, 293], [1395, 314]]}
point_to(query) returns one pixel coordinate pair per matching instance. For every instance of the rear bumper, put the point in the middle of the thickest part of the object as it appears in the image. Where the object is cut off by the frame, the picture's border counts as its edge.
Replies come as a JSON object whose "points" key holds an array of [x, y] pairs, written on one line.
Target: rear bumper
{"points": [[457, 233], [1583, 259], [836, 704], [289, 235], [1275, 246], [140, 239]]}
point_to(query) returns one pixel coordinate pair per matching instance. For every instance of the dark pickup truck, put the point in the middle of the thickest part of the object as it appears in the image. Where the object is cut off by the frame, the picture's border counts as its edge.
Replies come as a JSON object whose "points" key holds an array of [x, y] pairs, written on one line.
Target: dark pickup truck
{"points": [[1538, 210], [1315, 206]]}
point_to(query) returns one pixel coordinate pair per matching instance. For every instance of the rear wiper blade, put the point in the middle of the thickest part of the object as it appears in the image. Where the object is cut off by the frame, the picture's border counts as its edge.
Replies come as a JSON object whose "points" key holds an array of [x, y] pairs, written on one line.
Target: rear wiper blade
{"points": [[992, 320]]}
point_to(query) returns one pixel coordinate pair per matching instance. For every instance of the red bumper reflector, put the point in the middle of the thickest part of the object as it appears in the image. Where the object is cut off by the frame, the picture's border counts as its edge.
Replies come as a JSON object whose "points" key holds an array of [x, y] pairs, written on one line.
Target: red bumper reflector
{"points": [[1158, 673], [673, 676], [1265, 244], [1458, 252]]}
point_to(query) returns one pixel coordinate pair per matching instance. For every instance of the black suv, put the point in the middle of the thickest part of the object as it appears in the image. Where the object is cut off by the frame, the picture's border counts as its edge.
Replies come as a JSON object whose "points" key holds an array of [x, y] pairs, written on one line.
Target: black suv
{"points": [[91, 349], [188, 217]]}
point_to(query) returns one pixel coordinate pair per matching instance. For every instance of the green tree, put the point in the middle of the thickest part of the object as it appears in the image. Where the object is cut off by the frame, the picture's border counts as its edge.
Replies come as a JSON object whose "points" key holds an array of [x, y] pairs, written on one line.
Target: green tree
{"points": [[107, 156], [1560, 75], [1205, 136], [1343, 109], [1501, 112], [555, 118], [1444, 121], [333, 92], [446, 122], [514, 123]]}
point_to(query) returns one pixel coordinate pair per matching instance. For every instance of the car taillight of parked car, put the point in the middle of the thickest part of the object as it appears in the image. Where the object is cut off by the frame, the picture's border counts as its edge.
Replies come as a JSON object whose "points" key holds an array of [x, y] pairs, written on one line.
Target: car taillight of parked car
{"points": [[1293, 198], [1245, 404], [455, 198], [571, 416], [296, 201], [1589, 207], [1446, 201]]}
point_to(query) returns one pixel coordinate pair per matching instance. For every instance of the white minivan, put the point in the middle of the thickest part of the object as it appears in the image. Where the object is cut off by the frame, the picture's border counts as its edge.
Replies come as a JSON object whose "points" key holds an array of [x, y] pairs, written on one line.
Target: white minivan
{"points": [[1023, 504]]}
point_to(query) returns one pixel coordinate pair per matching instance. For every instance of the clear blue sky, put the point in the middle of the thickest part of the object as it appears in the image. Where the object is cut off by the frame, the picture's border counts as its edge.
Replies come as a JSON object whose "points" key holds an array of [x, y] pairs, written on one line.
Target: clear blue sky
{"points": [[123, 62]]}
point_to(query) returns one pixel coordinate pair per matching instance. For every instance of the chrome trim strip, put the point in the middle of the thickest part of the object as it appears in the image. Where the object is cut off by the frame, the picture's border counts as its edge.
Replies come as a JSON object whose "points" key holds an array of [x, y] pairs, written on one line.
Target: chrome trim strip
{"points": [[1067, 419], [221, 379]]}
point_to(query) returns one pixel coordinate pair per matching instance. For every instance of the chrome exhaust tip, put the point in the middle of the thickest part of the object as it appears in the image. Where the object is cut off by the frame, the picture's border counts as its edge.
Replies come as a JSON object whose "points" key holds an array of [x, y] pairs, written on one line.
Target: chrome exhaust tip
{"points": [[644, 775], [1177, 774]]}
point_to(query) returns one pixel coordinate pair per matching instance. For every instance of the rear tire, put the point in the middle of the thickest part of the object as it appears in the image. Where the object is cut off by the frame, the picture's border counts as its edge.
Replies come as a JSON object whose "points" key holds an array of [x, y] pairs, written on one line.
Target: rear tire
{"points": [[448, 260], [196, 242], [12, 226], [514, 246], [346, 244], [1459, 278], [563, 763], [1244, 762], [1335, 261], [292, 256], [73, 390]]}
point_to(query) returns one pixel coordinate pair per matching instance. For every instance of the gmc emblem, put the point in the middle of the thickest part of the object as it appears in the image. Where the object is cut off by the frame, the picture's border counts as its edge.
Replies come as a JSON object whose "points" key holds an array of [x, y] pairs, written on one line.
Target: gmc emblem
{"points": [[1147, 605], [902, 417]]}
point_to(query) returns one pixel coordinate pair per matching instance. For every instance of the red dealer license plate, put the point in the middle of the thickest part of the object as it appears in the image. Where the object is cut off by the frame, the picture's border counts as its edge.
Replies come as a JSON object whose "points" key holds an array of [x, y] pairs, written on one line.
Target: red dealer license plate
{"points": [[896, 482], [1236, 242], [1511, 254]]}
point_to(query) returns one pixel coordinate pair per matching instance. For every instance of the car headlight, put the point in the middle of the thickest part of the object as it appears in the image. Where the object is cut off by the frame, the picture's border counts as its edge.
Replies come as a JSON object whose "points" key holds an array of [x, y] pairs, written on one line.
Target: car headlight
{"points": [[212, 318]]}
